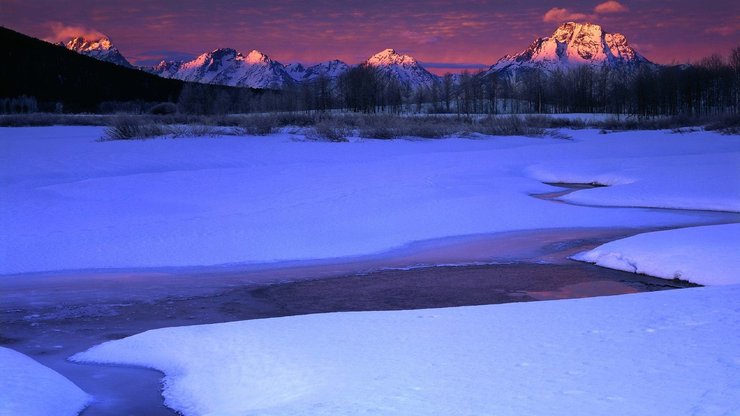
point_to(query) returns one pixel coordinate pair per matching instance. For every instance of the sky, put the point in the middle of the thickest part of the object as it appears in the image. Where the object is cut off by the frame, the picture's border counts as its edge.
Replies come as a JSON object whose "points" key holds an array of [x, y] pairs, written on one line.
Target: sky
{"points": [[443, 35]]}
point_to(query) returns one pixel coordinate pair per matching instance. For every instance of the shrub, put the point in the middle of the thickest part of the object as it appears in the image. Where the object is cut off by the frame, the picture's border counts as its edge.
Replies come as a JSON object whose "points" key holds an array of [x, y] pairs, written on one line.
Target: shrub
{"points": [[558, 134], [332, 131], [550, 122], [295, 119], [260, 125], [509, 126], [130, 127], [429, 127], [675, 122], [393, 126], [52, 119], [163, 109], [379, 127], [377, 131], [729, 124]]}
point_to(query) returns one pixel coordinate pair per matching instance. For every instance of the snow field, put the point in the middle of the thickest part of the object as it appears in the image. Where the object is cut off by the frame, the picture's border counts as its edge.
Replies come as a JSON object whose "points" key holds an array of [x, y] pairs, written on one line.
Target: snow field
{"points": [[73, 203]]}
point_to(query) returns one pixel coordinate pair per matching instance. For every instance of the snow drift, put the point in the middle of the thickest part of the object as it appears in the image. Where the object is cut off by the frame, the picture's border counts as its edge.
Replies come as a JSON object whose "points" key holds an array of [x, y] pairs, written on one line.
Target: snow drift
{"points": [[707, 255], [30, 389]]}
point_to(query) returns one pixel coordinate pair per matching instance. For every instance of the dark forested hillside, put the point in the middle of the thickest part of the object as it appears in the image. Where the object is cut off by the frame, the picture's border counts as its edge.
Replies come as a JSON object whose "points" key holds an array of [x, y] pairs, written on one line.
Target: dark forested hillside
{"points": [[52, 74], [57, 78]]}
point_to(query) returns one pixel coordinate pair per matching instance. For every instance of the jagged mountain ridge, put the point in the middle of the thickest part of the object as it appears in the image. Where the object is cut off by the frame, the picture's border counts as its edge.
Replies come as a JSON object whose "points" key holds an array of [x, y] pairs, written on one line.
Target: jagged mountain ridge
{"points": [[573, 44], [101, 48], [228, 67], [256, 70]]}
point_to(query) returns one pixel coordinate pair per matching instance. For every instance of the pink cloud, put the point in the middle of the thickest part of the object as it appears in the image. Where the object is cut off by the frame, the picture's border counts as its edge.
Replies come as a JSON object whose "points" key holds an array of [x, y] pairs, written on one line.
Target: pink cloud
{"points": [[611, 6], [559, 15], [62, 32]]}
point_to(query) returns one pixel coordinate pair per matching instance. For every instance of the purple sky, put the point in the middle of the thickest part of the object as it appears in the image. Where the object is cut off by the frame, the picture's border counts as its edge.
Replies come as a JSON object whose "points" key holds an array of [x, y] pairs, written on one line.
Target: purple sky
{"points": [[444, 35]]}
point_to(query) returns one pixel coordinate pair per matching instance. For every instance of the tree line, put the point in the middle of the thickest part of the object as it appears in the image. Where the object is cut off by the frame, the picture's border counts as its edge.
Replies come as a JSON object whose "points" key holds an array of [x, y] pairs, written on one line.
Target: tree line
{"points": [[708, 87]]}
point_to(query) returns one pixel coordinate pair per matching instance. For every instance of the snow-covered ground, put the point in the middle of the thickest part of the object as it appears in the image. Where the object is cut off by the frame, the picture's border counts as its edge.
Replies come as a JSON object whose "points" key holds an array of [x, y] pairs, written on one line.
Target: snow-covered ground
{"points": [[673, 352], [29, 388], [70, 202], [708, 255]]}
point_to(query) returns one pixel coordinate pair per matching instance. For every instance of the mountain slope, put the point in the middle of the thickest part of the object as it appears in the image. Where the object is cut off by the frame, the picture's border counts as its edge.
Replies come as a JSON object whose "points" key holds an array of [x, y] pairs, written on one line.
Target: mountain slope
{"points": [[403, 68], [101, 49], [329, 69], [228, 67], [573, 44]]}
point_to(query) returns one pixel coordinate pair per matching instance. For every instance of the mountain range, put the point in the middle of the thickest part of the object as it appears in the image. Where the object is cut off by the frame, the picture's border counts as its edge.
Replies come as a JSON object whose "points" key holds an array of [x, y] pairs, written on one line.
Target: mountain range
{"points": [[228, 67], [571, 45]]}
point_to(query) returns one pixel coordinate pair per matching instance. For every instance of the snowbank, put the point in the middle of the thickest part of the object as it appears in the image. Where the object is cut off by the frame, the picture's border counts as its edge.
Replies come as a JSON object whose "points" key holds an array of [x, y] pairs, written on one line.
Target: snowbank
{"points": [[651, 169], [654, 353], [28, 388], [70, 202], [708, 255]]}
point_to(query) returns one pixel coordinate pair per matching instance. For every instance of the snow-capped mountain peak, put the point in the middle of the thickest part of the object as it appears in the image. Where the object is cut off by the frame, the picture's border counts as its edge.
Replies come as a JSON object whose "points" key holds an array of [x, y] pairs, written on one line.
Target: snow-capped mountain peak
{"points": [[390, 57], [100, 48], [80, 44], [257, 57], [573, 44], [402, 68]]}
